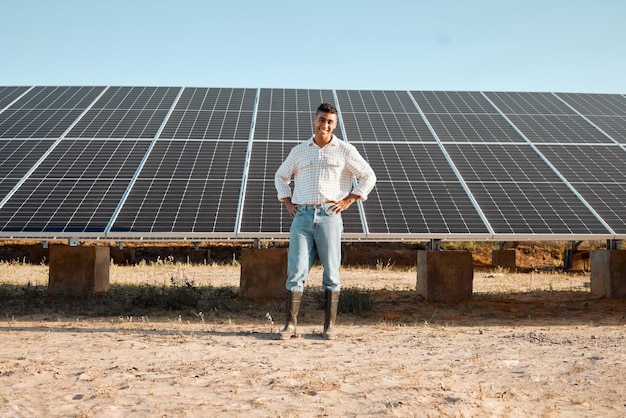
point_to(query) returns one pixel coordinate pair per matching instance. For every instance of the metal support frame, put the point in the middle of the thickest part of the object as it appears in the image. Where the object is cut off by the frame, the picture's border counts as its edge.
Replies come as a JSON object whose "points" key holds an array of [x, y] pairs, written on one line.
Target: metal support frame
{"points": [[434, 245], [568, 256], [613, 244]]}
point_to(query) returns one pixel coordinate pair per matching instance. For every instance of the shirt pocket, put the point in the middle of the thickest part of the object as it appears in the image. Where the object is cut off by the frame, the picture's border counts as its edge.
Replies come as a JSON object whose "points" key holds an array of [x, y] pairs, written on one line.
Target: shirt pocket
{"points": [[305, 164], [333, 168]]}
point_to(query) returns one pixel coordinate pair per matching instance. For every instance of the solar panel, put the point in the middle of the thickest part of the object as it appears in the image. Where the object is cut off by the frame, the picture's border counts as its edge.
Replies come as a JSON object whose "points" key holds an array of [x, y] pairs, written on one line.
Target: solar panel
{"points": [[451, 102], [543, 118], [74, 190], [9, 94], [605, 105], [45, 112], [519, 193], [16, 159], [224, 114], [186, 187], [286, 114], [606, 111], [381, 116], [516, 190], [417, 193], [464, 116], [199, 163], [375, 101], [521, 103], [190, 183], [126, 112], [262, 209], [597, 173]]}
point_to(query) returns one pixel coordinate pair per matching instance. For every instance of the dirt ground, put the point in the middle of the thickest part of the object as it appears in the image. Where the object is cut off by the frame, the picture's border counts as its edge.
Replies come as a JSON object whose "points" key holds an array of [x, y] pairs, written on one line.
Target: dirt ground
{"points": [[527, 344]]}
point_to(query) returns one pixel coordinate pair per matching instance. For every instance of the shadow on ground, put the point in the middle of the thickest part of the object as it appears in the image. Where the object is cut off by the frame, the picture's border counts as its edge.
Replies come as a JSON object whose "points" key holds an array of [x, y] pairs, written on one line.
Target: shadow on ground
{"points": [[357, 306]]}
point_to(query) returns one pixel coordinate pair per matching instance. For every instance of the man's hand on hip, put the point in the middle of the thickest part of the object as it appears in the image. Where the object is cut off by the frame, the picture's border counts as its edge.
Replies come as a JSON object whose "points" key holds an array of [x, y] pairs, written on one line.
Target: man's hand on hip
{"points": [[292, 208], [344, 203]]}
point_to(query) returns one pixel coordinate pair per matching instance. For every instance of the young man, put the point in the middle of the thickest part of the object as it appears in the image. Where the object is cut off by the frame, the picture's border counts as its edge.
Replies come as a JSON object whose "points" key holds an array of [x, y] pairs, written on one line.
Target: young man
{"points": [[324, 170]]}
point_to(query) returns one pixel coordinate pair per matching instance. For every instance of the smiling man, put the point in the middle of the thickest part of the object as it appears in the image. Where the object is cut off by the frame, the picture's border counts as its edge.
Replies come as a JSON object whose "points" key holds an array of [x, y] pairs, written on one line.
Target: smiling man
{"points": [[329, 175]]}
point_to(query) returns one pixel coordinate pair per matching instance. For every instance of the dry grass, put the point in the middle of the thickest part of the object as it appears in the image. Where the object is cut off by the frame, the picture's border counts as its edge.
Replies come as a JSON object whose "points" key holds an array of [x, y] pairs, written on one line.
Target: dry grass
{"points": [[210, 292]]}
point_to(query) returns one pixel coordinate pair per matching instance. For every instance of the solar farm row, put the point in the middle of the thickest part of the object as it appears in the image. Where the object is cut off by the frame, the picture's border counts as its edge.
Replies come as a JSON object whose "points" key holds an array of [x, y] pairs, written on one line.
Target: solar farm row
{"points": [[174, 163]]}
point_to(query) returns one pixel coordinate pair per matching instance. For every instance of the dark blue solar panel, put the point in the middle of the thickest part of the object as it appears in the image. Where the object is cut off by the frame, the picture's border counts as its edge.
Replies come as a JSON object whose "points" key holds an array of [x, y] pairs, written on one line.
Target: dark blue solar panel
{"points": [[126, 112], [75, 189], [224, 114], [10, 94], [46, 112]]}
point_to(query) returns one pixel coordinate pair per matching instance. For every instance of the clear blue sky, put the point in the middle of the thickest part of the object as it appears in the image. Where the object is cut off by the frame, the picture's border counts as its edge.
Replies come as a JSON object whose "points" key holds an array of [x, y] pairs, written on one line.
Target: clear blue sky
{"points": [[511, 45]]}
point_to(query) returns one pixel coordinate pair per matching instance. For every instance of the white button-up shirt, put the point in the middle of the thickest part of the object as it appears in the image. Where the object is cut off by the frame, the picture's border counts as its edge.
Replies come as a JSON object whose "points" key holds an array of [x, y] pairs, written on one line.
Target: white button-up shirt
{"points": [[324, 174]]}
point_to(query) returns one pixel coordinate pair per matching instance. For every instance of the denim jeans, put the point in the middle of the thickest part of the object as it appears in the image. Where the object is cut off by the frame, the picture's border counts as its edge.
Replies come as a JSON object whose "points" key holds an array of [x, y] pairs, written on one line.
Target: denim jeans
{"points": [[314, 230]]}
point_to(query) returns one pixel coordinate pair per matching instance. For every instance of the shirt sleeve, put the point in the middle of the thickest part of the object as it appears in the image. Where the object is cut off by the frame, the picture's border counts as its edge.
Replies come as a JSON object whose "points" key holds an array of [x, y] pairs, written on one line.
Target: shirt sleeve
{"points": [[283, 176], [362, 172]]}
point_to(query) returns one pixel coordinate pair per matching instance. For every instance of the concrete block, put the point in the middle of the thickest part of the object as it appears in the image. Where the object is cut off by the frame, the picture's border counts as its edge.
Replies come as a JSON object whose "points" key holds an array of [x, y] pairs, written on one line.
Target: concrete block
{"points": [[445, 276], [608, 273], [504, 259], [263, 273], [78, 271]]}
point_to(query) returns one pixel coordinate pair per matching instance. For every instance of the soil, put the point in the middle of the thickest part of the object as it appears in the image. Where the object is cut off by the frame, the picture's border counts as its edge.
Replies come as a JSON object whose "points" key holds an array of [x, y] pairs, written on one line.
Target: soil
{"points": [[530, 343]]}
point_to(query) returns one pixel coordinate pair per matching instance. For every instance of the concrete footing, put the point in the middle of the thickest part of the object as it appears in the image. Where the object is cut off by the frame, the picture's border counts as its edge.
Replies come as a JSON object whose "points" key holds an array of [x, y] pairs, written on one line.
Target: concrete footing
{"points": [[445, 276], [78, 271], [263, 273], [504, 259], [608, 273]]}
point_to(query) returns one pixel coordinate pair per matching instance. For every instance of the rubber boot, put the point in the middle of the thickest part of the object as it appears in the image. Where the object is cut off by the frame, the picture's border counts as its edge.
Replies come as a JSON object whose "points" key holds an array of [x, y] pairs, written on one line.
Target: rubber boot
{"points": [[330, 314], [291, 311]]}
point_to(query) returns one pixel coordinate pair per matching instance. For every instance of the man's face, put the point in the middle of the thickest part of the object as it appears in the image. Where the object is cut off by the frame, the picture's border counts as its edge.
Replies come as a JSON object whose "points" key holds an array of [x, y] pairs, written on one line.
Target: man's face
{"points": [[324, 124]]}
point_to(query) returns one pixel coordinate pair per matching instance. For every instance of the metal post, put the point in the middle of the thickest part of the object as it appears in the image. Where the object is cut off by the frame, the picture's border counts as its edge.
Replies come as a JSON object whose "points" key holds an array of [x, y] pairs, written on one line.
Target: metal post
{"points": [[435, 245]]}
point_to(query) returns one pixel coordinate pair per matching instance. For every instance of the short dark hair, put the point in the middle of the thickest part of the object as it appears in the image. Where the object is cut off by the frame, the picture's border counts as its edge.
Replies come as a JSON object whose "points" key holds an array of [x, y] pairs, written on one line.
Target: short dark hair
{"points": [[327, 108]]}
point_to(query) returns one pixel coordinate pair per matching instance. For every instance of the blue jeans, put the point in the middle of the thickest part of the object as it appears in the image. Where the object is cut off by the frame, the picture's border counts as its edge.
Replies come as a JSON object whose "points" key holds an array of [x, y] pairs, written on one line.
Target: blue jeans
{"points": [[314, 230]]}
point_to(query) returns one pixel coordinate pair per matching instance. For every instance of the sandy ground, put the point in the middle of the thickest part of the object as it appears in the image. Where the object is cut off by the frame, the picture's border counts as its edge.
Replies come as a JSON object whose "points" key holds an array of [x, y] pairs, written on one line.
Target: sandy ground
{"points": [[532, 344]]}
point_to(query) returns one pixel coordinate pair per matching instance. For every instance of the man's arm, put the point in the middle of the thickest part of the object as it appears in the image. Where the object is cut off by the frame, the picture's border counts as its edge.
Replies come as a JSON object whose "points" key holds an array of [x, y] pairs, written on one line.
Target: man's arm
{"points": [[282, 177]]}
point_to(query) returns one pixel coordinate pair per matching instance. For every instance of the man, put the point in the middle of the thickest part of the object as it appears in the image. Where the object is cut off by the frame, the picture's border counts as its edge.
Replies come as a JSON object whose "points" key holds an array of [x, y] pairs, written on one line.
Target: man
{"points": [[324, 170]]}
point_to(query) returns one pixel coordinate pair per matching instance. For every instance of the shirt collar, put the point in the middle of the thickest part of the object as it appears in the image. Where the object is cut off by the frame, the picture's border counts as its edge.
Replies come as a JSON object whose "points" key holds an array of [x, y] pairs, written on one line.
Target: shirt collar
{"points": [[333, 142]]}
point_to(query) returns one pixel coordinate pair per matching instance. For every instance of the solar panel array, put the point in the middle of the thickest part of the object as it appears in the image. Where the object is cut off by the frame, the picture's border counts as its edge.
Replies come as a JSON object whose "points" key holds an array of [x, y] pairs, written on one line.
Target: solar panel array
{"points": [[174, 163]]}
